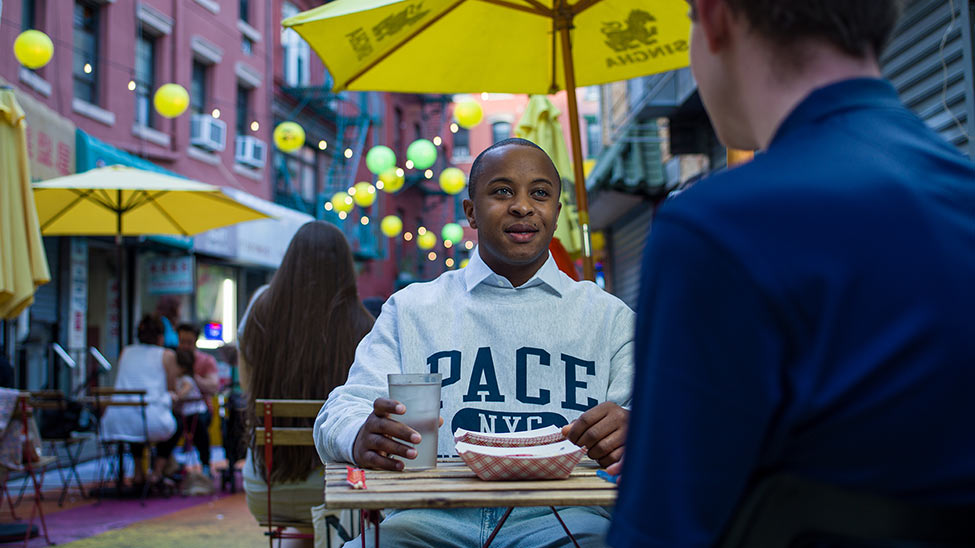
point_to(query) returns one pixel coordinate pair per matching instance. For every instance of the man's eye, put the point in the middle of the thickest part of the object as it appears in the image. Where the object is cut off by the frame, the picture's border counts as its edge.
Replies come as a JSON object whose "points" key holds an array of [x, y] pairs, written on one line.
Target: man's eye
{"points": [[541, 193], [502, 191]]}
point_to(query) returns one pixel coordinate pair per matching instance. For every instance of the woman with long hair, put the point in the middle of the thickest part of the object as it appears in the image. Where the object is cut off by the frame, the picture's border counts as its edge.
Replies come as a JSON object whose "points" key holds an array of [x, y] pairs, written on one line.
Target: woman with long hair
{"points": [[298, 343]]}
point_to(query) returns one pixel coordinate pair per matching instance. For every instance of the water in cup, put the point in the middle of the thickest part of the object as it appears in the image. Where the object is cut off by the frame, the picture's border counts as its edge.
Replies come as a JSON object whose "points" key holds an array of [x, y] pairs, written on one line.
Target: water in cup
{"points": [[420, 393]]}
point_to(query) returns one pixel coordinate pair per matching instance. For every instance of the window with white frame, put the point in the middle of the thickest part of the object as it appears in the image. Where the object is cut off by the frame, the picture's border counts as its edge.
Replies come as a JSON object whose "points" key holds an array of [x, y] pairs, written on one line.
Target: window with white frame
{"points": [[297, 53]]}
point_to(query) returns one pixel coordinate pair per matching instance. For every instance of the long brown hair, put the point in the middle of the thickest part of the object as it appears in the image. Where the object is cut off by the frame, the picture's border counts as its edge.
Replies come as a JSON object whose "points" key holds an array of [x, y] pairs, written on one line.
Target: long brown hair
{"points": [[301, 334]]}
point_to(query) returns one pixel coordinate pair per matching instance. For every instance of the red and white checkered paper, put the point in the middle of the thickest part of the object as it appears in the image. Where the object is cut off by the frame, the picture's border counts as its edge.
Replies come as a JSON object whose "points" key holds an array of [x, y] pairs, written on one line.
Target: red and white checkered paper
{"points": [[522, 466], [541, 436]]}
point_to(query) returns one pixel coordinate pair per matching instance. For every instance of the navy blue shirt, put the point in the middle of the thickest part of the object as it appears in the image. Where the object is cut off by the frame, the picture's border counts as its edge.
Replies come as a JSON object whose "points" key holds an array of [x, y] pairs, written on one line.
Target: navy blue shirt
{"points": [[810, 312]]}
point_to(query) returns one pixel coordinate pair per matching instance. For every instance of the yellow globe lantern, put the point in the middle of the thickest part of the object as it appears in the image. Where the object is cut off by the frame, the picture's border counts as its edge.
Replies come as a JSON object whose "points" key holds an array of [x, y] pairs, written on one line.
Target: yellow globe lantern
{"points": [[426, 240], [464, 263], [289, 136], [365, 194], [342, 202], [171, 100], [33, 49], [392, 179], [468, 113], [452, 180], [391, 226]]}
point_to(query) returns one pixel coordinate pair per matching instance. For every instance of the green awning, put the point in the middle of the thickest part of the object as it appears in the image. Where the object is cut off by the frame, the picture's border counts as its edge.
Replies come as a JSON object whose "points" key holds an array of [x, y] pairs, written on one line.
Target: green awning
{"points": [[633, 164]]}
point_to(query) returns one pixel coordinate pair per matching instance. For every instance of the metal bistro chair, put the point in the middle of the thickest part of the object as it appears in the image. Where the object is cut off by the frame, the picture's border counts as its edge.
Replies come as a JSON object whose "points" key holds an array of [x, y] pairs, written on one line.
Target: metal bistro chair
{"points": [[72, 443], [31, 464], [269, 436], [102, 398]]}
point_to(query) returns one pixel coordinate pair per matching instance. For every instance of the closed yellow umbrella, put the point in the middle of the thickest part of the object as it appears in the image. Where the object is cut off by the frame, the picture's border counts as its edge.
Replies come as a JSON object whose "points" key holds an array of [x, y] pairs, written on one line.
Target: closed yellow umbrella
{"points": [[540, 125], [23, 265], [512, 46]]}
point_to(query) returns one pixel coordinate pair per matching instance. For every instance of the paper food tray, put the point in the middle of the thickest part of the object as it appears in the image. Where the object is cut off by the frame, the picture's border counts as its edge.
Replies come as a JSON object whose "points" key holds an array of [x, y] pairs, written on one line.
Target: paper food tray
{"points": [[540, 462]]}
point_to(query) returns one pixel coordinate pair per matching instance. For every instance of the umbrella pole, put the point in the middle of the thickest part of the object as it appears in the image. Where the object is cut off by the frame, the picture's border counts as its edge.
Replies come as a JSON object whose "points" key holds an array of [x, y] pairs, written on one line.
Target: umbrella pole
{"points": [[582, 201], [119, 271]]}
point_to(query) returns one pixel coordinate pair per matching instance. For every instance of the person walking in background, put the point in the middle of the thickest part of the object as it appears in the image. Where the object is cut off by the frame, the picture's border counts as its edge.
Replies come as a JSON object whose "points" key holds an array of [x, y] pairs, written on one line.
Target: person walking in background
{"points": [[147, 366], [810, 312], [299, 342], [205, 375]]}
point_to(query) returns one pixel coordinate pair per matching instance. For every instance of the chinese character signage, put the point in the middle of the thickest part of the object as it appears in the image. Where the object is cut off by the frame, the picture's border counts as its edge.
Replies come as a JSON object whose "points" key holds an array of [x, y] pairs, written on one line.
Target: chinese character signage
{"points": [[170, 275]]}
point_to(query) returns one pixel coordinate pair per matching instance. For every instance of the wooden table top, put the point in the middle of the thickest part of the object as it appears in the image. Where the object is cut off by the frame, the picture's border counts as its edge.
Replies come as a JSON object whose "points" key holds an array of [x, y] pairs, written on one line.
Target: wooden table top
{"points": [[453, 485]]}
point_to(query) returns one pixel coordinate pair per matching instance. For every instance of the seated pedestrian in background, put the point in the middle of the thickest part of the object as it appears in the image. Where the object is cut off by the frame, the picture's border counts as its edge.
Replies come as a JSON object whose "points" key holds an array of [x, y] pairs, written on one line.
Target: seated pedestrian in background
{"points": [[168, 310], [519, 339], [298, 343], [191, 412], [147, 366], [205, 375], [808, 313]]}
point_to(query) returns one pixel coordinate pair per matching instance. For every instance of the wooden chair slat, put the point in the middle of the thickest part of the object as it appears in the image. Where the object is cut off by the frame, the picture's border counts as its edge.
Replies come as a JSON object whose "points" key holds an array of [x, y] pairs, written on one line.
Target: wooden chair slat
{"points": [[109, 391], [287, 436], [290, 408]]}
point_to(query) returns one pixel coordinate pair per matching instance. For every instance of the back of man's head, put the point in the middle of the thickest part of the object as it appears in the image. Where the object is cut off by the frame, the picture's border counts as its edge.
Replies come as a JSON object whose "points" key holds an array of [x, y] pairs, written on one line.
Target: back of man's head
{"points": [[856, 27]]}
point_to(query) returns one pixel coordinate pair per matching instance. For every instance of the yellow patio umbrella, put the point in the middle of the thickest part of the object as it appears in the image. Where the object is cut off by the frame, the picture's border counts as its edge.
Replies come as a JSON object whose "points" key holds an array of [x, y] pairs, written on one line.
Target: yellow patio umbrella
{"points": [[512, 46], [540, 125], [23, 266], [125, 201]]}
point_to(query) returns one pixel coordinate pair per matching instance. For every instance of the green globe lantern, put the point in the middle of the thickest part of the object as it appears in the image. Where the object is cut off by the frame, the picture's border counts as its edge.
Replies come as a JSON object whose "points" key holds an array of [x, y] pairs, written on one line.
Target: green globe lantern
{"points": [[342, 202], [380, 158], [422, 153], [453, 233], [391, 226], [452, 180]]}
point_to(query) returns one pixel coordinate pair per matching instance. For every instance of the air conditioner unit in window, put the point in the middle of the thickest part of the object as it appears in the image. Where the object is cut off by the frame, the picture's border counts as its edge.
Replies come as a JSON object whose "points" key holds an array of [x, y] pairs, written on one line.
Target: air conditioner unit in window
{"points": [[208, 133], [250, 151]]}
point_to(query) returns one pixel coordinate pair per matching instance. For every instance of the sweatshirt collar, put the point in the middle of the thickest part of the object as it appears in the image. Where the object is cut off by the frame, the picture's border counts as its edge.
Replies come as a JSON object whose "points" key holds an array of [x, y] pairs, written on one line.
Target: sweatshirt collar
{"points": [[477, 272]]}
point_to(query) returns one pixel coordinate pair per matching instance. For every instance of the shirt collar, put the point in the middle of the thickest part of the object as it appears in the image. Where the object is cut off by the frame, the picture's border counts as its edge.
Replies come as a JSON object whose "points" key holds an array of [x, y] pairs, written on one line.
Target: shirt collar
{"points": [[835, 98], [477, 272]]}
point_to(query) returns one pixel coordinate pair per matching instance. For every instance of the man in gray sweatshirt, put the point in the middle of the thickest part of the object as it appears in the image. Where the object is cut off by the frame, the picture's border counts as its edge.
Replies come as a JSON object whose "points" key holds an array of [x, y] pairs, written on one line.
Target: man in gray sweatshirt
{"points": [[520, 346]]}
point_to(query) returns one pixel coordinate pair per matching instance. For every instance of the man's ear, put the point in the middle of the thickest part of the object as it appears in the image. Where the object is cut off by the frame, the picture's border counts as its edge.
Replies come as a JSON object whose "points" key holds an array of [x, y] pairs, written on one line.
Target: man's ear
{"points": [[714, 17], [469, 212]]}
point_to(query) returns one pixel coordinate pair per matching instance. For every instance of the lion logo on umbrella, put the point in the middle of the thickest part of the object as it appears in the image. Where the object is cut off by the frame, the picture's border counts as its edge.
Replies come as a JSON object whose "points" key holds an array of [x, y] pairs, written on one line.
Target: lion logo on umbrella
{"points": [[637, 28]]}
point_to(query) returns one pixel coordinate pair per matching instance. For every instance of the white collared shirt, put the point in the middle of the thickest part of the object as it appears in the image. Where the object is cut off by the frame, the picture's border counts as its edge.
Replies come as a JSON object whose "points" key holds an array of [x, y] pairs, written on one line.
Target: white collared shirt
{"points": [[512, 358]]}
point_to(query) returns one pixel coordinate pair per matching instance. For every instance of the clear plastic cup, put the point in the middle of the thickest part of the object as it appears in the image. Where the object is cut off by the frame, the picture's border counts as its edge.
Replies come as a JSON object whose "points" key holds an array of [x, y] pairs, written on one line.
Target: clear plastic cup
{"points": [[420, 393]]}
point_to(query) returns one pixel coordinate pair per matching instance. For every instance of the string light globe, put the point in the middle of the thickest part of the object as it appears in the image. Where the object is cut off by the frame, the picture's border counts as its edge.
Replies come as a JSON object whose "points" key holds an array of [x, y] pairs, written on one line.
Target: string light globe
{"points": [[342, 202], [468, 113], [289, 136], [33, 49], [452, 181], [380, 158], [392, 179], [171, 100], [365, 194], [426, 240], [422, 153], [390, 226], [452, 232]]}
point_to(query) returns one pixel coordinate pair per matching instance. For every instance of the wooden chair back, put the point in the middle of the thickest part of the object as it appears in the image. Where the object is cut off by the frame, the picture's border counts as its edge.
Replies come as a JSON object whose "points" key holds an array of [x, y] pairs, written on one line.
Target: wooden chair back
{"points": [[269, 436]]}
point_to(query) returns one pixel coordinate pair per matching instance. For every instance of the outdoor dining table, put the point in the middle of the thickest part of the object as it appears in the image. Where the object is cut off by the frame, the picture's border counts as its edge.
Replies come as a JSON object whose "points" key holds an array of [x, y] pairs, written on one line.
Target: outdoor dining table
{"points": [[452, 484]]}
